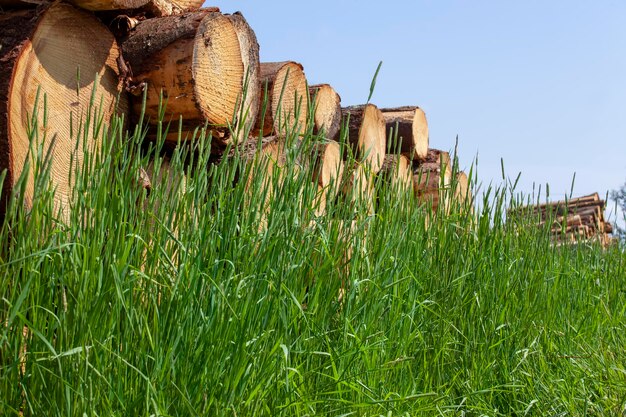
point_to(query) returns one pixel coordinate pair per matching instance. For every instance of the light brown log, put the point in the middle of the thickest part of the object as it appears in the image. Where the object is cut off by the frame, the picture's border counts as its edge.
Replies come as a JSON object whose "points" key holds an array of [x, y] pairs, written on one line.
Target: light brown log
{"points": [[327, 172], [366, 134], [357, 188], [250, 97], [436, 159], [327, 110], [65, 54], [200, 62], [432, 179], [396, 171], [407, 131], [154, 7], [285, 110]]}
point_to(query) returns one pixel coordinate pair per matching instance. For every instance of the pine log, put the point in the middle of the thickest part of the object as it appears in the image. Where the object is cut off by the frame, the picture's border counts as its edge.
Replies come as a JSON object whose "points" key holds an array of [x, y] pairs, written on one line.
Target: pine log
{"points": [[285, 110], [396, 171], [407, 131], [200, 61], [357, 188], [432, 179], [327, 110], [250, 98], [366, 134], [153, 7], [59, 56], [327, 170]]}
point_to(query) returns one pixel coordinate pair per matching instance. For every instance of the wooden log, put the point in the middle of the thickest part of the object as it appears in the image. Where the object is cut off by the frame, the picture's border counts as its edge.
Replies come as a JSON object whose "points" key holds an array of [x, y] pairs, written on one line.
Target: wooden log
{"points": [[251, 95], [327, 172], [366, 134], [285, 110], [65, 55], [396, 171], [407, 131], [432, 180], [327, 110], [200, 62], [357, 188], [153, 7]]}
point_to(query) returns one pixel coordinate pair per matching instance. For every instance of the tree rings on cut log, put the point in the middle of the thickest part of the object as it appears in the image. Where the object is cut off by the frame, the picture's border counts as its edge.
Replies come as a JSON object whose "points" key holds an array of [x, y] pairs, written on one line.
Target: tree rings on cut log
{"points": [[366, 130], [327, 110], [197, 62], [407, 131], [250, 97], [286, 107], [58, 56]]}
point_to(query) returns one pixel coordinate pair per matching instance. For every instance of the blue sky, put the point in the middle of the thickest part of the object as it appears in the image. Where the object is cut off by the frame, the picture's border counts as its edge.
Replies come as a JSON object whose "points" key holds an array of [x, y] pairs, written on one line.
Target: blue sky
{"points": [[540, 84]]}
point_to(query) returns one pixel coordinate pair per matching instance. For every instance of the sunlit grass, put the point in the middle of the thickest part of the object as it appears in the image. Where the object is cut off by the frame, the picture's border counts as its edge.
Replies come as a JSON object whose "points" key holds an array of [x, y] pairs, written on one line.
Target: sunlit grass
{"points": [[173, 301]]}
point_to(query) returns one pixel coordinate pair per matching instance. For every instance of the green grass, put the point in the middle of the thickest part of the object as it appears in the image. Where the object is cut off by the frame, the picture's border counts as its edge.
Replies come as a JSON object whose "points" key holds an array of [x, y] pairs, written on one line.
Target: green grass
{"points": [[173, 303]]}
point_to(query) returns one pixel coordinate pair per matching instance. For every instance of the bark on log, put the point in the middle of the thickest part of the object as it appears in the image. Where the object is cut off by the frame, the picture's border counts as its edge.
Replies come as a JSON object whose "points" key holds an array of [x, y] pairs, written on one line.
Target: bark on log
{"points": [[397, 172], [200, 61], [153, 7], [286, 108], [407, 131], [327, 110], [432, 179], [366, 134], [65, 54]]}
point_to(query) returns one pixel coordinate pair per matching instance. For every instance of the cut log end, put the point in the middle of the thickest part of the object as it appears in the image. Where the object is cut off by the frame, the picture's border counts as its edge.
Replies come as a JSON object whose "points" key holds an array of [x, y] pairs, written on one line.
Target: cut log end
{"points": [[286, 108], [407, 131], [64, 55], [327, 110], [200, 63], [366, 126]]}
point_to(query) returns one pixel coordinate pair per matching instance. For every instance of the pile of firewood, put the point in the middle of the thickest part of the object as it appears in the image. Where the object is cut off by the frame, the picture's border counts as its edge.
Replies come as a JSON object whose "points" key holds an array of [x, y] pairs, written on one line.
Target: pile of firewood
{"points": [[105, 57], [571, 221]]}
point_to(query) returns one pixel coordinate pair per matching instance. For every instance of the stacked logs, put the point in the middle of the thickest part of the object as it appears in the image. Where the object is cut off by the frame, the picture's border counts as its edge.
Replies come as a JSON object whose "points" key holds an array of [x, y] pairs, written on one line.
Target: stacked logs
{"points": [[571, 221], [199, 71]]}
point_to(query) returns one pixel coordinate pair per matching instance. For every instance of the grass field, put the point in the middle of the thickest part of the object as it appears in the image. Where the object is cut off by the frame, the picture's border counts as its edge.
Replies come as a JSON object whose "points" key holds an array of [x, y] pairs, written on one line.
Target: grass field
{"points": [[174, 303]]}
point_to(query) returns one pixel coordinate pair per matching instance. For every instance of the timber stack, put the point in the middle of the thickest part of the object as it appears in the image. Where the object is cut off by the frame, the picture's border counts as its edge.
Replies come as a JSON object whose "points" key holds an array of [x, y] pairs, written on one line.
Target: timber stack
{"points": [[571, 221], [198, 70]]}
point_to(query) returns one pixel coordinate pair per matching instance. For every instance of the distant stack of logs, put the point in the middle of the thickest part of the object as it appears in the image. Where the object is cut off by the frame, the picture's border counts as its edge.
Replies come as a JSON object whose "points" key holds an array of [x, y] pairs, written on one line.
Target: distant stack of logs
{"points": [[78, 57], [571, 221]]}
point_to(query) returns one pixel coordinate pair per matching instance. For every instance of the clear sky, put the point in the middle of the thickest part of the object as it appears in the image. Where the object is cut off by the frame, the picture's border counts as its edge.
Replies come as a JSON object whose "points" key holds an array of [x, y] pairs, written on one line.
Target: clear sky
{"points": [[540, 84]]}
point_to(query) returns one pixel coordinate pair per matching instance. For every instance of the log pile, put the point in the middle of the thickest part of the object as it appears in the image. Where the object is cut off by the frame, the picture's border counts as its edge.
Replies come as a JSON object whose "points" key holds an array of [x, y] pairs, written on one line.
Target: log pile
{"points": [[571, 221], [198, 70]]}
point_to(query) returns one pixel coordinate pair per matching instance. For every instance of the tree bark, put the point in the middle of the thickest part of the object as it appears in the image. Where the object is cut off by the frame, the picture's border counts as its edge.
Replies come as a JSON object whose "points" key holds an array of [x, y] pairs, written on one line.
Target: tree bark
{"points": [[285, 110], [200, 61], [407, 131], [56, 55], [327, 110], [366, 134], [432, 179]]}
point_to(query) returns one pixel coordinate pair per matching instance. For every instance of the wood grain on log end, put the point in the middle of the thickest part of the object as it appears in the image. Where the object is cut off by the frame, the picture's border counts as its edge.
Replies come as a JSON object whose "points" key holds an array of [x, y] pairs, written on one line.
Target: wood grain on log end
{"points": [[286, 108], [327, 110], [366, 133], [65, 55], [407, 131]]}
